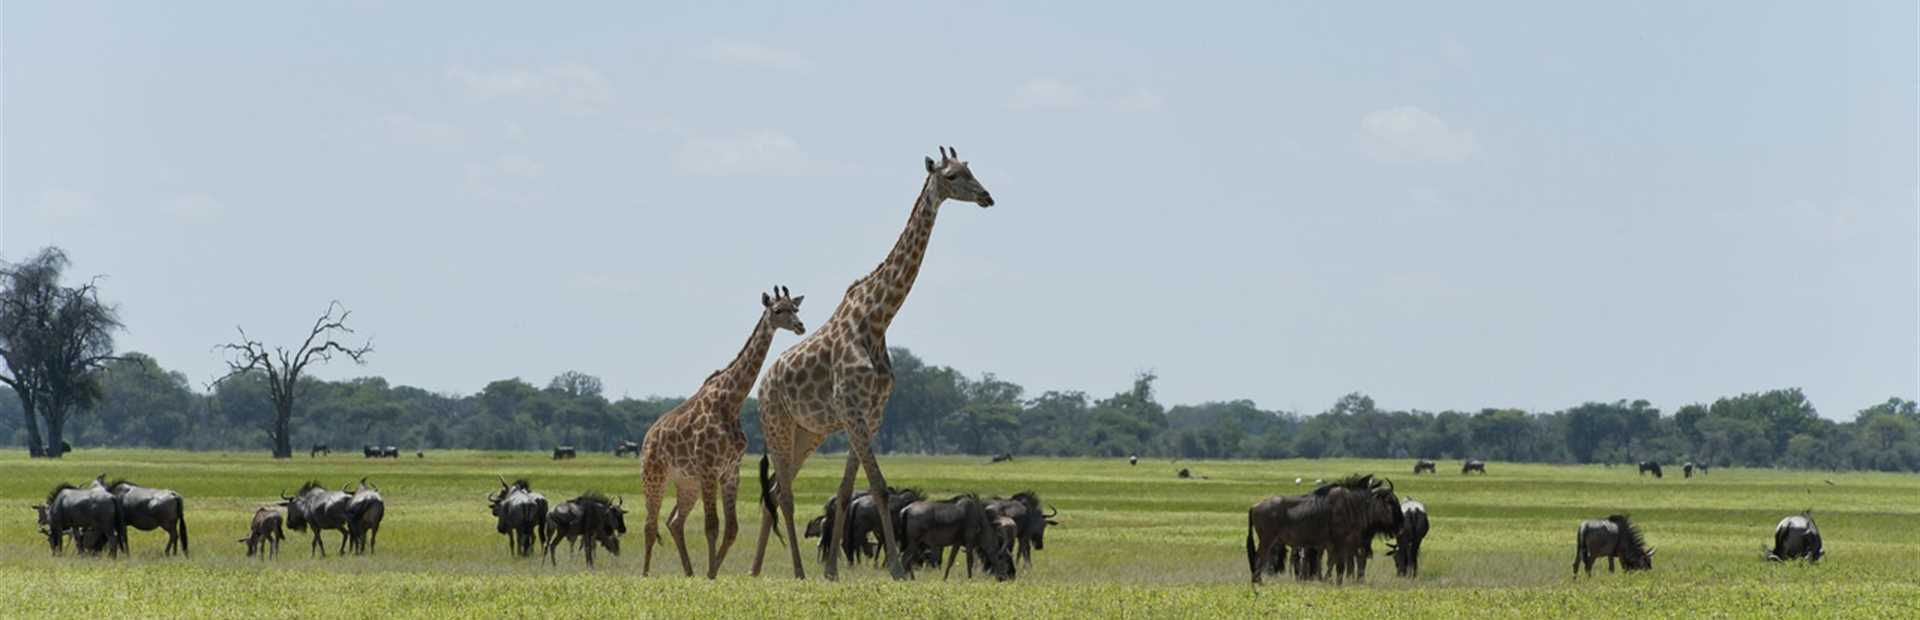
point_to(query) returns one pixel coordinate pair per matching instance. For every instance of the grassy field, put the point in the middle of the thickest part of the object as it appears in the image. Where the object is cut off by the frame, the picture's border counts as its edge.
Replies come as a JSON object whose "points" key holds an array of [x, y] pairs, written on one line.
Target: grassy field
{"points": [[1135, 542]]}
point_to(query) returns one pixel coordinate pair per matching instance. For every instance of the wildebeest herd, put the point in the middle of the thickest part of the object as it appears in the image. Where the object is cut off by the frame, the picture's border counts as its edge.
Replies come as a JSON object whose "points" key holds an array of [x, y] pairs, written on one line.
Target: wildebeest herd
{"points": [[1327, 533]]}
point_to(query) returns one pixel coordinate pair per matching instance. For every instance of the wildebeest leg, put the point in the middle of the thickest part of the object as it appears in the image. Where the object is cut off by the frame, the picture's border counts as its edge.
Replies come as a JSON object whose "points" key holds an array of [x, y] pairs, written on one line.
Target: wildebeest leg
{"points": [[953, 554], [345, 537], [709, 505], [317, 545], [842, 513], [373, 539], [683, 497], [1609, 563], [1026, 552], [729, 494]]}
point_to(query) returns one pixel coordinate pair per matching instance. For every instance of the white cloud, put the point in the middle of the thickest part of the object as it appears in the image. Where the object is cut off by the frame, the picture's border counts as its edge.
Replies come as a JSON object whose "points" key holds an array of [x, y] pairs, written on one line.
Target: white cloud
{"points": [[750, 153], [573, 84], [1054, 94], [195, 206], [754, 54], [415, 130], [1410, 134], [63, 204], [1047, 94]]}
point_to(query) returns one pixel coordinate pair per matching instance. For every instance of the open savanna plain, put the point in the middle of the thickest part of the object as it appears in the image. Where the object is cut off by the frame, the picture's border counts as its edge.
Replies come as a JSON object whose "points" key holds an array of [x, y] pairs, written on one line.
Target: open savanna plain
{"points": [[1133, 542]]}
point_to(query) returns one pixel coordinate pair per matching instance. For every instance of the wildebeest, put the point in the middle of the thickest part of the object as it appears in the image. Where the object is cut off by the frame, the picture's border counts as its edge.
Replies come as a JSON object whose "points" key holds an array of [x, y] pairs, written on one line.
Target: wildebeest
{"points": [[1613, 537], [1024, 509], [1651, 466], [366, 509], [319, 449], [863, 523], [1133, 459], [565, 452], [1797, 537], [91, 515], [317, 508], [1703, 468], [591, 518], [1339, 517], [1405, 550], [521, 514], [392, 452], [264, 535], [626, 447], [959, 523], [1003, 457], [1424, 465], [1473, 465], [147, 509]]}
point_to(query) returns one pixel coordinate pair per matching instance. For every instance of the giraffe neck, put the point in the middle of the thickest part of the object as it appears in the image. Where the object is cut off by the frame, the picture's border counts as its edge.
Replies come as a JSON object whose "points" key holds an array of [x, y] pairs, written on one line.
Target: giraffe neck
{"points": [[888, 285], [731, 384]]}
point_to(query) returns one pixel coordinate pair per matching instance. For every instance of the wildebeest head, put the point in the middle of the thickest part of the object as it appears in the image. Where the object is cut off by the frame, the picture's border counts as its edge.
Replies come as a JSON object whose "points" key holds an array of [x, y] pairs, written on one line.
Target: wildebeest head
{"points": [[1032, 521], [1635, 554]]}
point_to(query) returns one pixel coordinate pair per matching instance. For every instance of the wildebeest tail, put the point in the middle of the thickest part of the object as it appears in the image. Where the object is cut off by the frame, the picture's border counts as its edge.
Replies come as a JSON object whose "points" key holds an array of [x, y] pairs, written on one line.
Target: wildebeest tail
{"points": [[1253, 556], [180, 518], [766, 498]]}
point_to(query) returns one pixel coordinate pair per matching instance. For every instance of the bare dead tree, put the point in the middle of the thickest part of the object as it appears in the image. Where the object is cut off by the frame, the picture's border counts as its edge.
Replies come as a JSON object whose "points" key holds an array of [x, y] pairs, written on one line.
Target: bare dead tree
{"points": [[54, 340], [283, 367]]}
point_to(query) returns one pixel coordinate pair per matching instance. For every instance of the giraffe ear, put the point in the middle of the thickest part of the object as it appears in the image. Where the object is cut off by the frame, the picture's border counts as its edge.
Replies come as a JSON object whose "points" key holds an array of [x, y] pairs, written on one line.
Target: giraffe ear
{"points": [[797, 300], [765, 300], [929, 164]]}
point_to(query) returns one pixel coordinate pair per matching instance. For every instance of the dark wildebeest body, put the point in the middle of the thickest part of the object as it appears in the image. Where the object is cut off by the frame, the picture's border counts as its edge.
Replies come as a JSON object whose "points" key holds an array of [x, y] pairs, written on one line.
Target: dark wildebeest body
{"points": [[959, 523], [1651, 466], [521, 514], [626, 447], [91, 515], [1797, 537], [1339, 518], [591, 518], [1405, 549], [1613, 537], [148, 509], [1424, 465], [863, 523], [366, 509], [319, 449], [1004, 457], [1473, 465], [1686, 470], [371, 452], [1024, 509], [264, 535], [565, 452], [317, 508], [392, 452]]}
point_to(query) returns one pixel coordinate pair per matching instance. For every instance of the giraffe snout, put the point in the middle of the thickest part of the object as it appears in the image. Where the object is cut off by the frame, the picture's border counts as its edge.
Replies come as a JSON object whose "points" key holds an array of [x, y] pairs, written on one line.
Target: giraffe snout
{"points": [[986, 200]]}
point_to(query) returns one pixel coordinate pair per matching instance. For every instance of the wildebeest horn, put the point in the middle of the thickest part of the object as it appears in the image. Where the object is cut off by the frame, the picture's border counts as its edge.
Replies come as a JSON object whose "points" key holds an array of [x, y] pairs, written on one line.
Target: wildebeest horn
{"points": [[620, 501], [284, 496], [1055, 513], [503, 480]]}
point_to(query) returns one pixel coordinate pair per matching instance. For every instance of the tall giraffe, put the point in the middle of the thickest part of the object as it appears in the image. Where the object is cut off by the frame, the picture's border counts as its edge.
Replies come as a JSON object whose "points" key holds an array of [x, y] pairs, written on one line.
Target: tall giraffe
{"points": [[839, 378], [698, 444]]}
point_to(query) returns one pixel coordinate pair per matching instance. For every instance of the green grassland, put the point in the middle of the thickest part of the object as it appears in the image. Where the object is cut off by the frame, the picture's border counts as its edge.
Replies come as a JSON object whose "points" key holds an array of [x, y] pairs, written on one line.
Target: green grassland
{"points": [[1134, 542]]}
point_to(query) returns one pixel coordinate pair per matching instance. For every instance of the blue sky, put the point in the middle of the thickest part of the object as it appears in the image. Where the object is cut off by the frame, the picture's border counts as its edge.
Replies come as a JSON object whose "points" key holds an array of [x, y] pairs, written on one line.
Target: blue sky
{"points": [[1457, 206]]}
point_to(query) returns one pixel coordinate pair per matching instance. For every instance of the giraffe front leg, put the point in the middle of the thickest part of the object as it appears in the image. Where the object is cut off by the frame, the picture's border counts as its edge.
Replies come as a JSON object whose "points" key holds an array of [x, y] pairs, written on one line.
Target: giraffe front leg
{"points": [[729, 493], [708, 502], [843, 500], [859, 438]]}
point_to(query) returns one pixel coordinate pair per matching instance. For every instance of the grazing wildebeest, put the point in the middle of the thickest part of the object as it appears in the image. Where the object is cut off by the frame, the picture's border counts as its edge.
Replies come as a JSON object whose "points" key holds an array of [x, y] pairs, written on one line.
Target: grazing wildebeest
{"points": [[1473, 465], [317, 508], [1424, 465], [264, 535], [1024, 509], [1797, 537], [1001, 458], [959, 523], [1613, 537], [863, 523], [521, 514], [626, 447], [1339, 517], [319, 449], [392, 452], [1405, 549], [370, 451], [565, 452], [147, 509], [91, 515], [1133, 459], [1651, 466], [1703, 468], [591, 518], [1686, 470], [365, 510]]}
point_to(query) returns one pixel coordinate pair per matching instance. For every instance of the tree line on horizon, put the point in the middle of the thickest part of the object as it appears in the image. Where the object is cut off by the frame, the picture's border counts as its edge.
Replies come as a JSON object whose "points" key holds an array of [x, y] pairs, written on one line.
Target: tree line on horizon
{"points": [[56, 344]]}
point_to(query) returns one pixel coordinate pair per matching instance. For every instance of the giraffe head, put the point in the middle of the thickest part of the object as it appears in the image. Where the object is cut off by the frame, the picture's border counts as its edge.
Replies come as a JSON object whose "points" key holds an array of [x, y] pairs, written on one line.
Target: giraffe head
{"points": [[783, 310], [953, 180]]}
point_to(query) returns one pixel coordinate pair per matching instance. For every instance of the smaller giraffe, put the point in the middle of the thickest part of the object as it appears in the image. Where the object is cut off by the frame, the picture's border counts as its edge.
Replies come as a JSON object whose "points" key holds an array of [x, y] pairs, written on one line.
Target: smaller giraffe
{"points": [[698, 444]]}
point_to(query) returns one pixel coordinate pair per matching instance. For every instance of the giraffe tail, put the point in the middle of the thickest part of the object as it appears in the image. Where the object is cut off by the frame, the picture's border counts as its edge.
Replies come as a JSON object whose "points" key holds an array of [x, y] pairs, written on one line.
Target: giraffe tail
{"points": [[766, 499]]}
